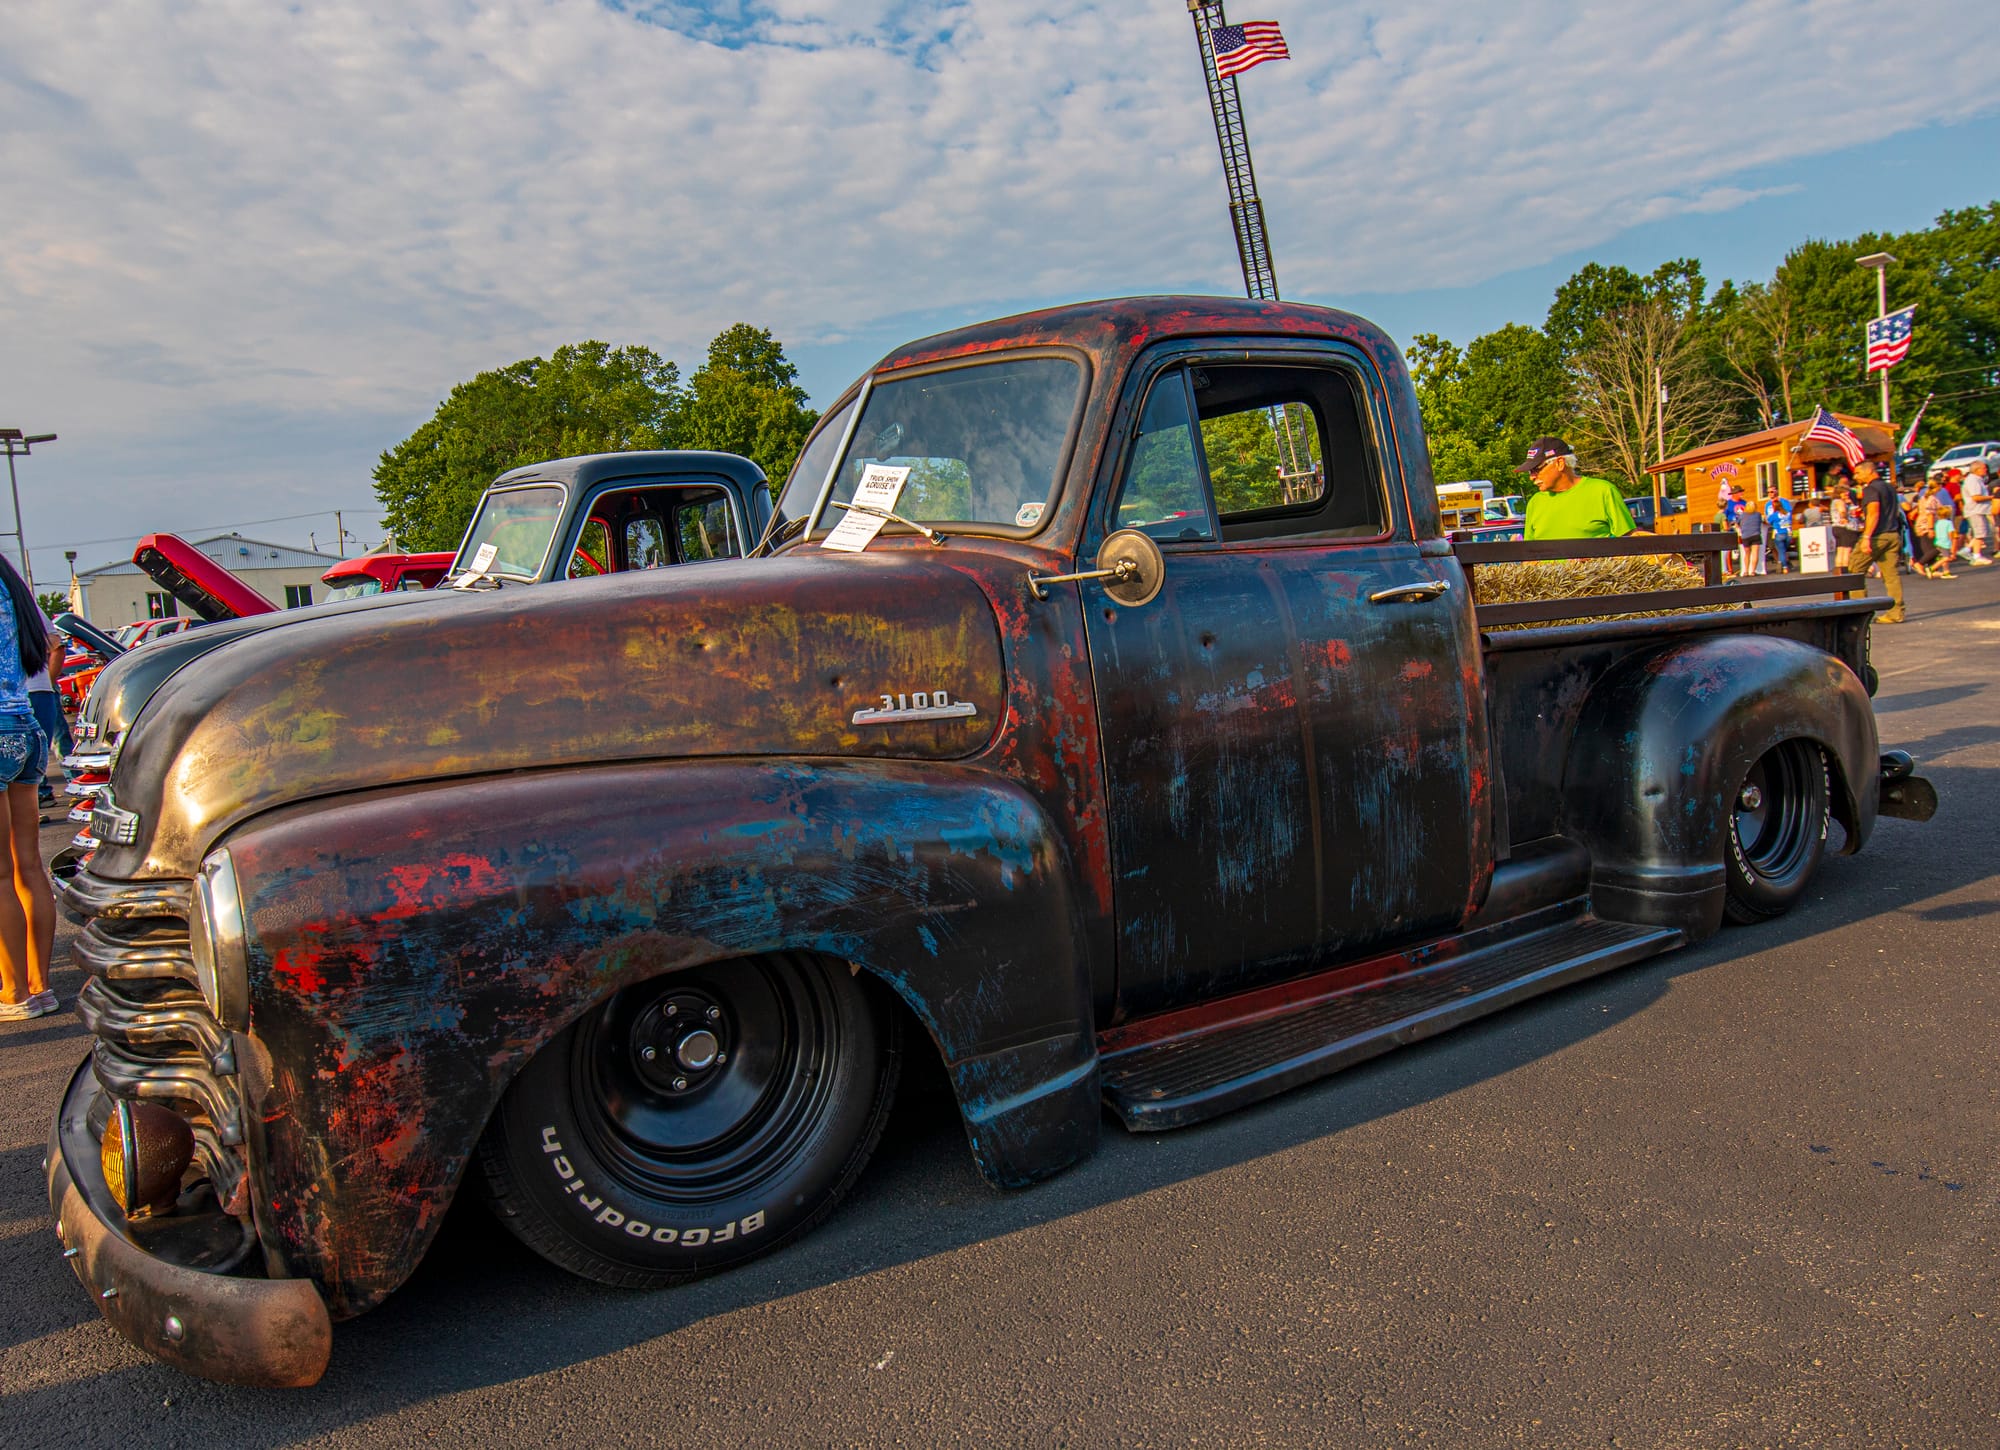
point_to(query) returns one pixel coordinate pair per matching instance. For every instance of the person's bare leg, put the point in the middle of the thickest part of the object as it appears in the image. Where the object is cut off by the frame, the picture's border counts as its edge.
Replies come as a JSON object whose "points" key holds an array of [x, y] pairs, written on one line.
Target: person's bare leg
{"points": [[15, 982], [31, 883]]}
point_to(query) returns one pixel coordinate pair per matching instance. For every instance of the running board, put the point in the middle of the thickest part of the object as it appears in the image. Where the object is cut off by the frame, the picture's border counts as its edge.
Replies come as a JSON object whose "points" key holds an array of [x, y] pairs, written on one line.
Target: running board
{"points": [[1262, 1050]]}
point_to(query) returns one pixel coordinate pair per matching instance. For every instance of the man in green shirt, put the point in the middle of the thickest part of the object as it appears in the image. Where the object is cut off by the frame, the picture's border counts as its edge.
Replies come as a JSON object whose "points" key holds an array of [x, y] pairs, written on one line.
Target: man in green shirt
{"points": [[1569, 505]]}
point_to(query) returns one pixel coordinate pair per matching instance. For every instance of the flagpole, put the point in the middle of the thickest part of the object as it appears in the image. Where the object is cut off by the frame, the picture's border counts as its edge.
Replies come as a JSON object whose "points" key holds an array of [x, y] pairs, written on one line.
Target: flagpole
{"points": [[1880, 262]]}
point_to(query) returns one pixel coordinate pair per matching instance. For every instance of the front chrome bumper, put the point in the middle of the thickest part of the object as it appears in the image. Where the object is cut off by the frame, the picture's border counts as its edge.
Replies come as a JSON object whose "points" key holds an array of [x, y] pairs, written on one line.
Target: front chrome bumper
{"points": [[219, 1326]]}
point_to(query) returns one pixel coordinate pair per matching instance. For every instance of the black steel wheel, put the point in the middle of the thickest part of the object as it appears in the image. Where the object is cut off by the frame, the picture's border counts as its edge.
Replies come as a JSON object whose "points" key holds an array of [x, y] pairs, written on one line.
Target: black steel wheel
{"points": [[695, 1120], [1777, 831]]}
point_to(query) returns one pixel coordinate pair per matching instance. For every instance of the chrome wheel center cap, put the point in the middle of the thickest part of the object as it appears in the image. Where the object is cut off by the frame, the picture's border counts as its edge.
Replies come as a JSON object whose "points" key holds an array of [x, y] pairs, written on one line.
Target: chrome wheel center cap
{"points": [[1751, 798], [697, 1050]]}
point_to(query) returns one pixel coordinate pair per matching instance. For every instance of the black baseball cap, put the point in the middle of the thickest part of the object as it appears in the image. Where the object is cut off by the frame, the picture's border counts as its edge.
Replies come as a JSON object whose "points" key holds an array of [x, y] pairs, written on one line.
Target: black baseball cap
{"points": [[1541, 451]]}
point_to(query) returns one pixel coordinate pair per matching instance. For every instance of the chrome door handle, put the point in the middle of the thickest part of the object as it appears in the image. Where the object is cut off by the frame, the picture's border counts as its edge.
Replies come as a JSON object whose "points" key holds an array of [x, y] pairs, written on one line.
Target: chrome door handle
{"points": [[1429, 589]]}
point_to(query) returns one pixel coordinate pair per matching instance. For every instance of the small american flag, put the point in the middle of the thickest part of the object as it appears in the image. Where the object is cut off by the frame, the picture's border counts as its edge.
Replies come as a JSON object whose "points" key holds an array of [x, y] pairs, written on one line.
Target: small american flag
{"points": [[1828, 429], [1239, 47], [1889, 338]]}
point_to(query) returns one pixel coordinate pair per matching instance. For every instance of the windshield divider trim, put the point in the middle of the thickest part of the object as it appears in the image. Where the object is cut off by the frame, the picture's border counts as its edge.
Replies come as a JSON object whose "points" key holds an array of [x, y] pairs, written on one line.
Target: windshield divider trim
{"points": [[839, 457]]}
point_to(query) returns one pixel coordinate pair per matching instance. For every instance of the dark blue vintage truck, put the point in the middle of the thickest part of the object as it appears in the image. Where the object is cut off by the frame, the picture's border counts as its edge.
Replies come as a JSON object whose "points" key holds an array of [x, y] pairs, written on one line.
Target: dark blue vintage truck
{"points": [[1103, 711]]}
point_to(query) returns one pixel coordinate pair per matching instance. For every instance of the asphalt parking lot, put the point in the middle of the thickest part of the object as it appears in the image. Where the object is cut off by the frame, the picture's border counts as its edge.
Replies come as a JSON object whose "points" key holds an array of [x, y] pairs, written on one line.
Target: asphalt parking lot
{"points": [[1747, 1194]]}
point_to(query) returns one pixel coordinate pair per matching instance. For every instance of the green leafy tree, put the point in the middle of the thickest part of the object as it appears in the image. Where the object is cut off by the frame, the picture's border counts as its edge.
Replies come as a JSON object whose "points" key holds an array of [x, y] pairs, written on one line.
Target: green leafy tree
{"points": [[746, 399], [585, 397], [52, 602], [1484, 404]]}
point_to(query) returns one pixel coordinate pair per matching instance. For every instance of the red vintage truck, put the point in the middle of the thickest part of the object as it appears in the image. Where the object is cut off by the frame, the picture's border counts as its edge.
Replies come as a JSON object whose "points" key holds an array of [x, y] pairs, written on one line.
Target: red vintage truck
{"points": [[1104, 712]]}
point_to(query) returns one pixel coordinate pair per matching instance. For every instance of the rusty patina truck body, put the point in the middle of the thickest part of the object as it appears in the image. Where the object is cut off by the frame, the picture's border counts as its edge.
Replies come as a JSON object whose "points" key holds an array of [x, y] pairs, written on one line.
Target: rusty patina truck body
{"points": [[622, 900]]}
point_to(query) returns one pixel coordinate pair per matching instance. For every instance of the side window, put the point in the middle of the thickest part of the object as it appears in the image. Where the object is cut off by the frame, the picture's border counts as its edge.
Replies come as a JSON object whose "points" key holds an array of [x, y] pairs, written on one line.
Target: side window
{"points": [[1288, 452], [593, 551], [645, 543], [705, 530], [298, 596], [1162, 493]]}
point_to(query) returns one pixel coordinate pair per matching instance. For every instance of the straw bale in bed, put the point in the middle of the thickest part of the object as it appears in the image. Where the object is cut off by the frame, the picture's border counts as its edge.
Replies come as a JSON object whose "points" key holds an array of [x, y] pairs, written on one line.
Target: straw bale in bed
{"points": [[1584, 578]]}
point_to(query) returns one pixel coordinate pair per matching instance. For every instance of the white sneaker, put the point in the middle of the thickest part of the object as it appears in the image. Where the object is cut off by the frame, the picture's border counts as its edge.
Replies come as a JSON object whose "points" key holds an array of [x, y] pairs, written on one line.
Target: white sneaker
{"points": [[1978, 563]]}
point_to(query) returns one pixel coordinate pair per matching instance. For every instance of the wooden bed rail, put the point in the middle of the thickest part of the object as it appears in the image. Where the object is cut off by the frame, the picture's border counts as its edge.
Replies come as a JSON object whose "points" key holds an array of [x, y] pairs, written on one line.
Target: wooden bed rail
{"points": [[1703, 550]]}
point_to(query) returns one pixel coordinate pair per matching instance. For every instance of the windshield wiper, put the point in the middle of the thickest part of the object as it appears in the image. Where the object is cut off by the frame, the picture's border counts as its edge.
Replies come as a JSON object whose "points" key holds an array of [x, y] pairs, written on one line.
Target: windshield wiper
{"points": [[783, 534], [861, 508]]}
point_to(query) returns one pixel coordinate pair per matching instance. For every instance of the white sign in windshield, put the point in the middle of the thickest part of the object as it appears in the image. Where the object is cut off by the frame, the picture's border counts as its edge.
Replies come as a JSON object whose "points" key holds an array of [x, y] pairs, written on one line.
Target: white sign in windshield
{"points": [[483, 557], [881, 485]]}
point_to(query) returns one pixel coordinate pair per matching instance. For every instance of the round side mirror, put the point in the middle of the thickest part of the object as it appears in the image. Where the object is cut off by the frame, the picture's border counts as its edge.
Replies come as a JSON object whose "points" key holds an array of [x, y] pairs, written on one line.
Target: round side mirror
{"points": [[1133, 558]]}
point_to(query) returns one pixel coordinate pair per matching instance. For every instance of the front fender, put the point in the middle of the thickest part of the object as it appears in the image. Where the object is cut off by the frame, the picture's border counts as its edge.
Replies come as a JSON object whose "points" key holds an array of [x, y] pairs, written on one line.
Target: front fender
{"points": [[1663, 741], [411, 951]]}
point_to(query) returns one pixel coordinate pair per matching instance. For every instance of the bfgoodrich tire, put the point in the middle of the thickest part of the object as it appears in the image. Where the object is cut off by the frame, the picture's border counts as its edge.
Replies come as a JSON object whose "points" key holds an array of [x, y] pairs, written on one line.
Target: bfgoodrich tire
{"points": [[1777, 831], [694, 1121]]}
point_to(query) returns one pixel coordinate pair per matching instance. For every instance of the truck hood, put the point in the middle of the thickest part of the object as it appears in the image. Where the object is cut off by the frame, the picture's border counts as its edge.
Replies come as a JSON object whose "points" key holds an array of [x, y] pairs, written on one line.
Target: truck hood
{"points": [[128, 682], [197, 581], [765, 657]]}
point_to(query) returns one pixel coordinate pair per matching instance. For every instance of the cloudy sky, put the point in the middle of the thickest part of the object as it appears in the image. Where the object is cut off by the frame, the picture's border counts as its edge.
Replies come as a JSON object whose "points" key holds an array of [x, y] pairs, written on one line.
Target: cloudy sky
{"points": [[246, 246]]}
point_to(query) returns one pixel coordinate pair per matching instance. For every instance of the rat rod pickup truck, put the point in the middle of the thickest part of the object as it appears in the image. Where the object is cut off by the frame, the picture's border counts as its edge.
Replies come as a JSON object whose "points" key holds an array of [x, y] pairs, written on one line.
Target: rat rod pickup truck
{"points": [[1103, 711]]}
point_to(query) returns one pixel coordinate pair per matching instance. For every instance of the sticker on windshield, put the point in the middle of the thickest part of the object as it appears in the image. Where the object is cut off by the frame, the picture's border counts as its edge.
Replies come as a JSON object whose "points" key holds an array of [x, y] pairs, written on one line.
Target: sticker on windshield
{"points": [[483, 557], [875, 497], [1028, 515]]}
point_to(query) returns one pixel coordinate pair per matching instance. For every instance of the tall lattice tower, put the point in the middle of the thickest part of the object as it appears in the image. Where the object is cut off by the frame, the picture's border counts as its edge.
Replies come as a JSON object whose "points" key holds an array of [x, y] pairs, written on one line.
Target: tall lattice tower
{"points": [[1246, 212]]}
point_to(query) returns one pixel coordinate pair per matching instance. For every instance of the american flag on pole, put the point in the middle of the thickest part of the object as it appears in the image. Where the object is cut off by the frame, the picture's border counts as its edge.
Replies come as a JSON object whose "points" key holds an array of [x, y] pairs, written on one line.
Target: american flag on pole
{"points": [[1828, 429], [1239, 47], [1889, 338]]}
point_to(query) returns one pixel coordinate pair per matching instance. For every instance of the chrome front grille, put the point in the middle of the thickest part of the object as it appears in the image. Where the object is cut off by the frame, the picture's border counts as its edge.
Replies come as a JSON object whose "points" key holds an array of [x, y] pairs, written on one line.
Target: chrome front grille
{"points": [[156, 1038]]}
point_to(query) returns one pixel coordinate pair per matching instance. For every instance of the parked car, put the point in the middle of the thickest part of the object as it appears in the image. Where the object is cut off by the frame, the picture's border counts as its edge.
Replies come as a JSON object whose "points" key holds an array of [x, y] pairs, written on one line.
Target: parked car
{"points": [[1961, 455], [1640, 506], [621, 902], [384, 574], [1506, 506]]}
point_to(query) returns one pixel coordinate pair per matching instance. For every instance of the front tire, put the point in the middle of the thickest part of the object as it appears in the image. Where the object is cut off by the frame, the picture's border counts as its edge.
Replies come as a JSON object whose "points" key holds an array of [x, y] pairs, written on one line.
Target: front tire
{"points": [[694, 1121], [1776, 832]]}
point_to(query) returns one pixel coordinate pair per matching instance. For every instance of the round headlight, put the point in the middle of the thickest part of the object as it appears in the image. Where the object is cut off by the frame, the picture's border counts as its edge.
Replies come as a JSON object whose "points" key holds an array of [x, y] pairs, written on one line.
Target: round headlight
{"points": [[217, 941], [145, 1150]]}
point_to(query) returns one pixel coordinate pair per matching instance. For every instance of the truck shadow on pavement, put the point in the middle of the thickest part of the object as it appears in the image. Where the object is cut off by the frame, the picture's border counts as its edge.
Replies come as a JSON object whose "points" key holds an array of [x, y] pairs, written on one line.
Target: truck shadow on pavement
{"points": [[482, 1310]]}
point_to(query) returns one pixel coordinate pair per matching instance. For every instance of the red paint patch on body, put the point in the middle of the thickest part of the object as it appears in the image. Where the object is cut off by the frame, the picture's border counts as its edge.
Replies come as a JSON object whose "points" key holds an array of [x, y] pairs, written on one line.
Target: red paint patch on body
{"points": [[424, 887], [1417, 670], [1338, 655]]}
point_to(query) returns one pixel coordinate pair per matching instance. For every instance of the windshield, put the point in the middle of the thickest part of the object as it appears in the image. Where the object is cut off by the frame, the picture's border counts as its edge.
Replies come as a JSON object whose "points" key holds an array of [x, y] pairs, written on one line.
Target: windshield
{"points": [[353, 589], [520, 524], [982, 443]]}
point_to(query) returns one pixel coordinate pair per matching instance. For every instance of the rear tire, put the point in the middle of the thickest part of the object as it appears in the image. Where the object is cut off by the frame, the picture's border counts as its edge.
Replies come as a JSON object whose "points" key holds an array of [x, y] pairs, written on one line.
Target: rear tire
{"points": [[1776, 832], [694, 1121]]}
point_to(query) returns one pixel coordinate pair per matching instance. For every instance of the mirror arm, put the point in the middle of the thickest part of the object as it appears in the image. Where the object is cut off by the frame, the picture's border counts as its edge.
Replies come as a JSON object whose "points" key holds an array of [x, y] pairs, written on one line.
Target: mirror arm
{"points": [[1123, 570]]}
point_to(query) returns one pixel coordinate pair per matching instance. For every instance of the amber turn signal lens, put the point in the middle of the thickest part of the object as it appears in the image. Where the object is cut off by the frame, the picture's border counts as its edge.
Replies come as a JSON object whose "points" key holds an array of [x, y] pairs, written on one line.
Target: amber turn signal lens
{"points": [[145, 1150]]}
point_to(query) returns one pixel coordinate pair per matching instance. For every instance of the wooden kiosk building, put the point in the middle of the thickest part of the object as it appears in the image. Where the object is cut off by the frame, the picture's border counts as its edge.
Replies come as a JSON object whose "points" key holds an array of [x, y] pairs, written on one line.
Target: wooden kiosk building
{"points": [[1781, 461]]}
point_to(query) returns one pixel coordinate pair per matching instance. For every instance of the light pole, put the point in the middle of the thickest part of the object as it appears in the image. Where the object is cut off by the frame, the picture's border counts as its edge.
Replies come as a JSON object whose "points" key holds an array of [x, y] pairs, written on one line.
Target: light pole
{"points": [[1881, 262], [20, 447]]}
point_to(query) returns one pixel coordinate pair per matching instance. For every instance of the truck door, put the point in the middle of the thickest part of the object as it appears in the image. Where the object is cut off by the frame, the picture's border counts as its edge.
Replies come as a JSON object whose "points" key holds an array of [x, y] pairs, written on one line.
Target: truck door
{"points": [[1294, 744]]}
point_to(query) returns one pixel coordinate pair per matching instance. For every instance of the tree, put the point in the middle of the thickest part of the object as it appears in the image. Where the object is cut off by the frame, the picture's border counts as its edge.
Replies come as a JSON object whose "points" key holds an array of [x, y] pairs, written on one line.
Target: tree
{"points": [[746, 399], [585, 397], [1618, 377], [1755, 330], [53, 602], [1484, 405]]}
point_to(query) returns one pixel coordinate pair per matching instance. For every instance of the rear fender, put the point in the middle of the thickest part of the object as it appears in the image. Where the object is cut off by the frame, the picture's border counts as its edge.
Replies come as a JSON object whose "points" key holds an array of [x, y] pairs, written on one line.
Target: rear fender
{"points": [[1662, 743], [411, 951]]}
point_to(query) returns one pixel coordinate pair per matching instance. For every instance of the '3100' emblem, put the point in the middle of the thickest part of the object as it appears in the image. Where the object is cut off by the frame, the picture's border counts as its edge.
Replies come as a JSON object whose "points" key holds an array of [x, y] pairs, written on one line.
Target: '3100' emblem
{"points": [[921, 705]]}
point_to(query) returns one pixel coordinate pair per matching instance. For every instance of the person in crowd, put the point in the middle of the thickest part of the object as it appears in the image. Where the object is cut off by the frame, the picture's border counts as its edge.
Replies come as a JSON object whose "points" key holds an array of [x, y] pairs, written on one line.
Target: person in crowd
{"points": [[1976, 498], [28, 911], [47, 705], [1846, 518], [1750, 529], [1944, 529], [1814, 514], [1877, 539], [1568, 504], [1778, 530], [1724, 522], [1920, 505]]}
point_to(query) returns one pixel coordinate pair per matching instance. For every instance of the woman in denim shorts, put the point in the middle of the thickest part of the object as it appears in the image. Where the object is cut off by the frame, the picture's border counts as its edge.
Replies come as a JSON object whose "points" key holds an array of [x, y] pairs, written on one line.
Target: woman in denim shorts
{"points": [[28, 911]]}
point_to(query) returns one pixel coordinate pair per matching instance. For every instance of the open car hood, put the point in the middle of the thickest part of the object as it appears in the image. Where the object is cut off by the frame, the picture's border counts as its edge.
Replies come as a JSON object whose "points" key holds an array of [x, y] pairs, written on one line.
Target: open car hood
{"points": [[197, 581]]}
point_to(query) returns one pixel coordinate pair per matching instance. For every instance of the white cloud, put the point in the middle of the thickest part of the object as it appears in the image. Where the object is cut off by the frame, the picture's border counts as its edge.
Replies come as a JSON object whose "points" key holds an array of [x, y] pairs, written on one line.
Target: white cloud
{"points": [[334, 211]]}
